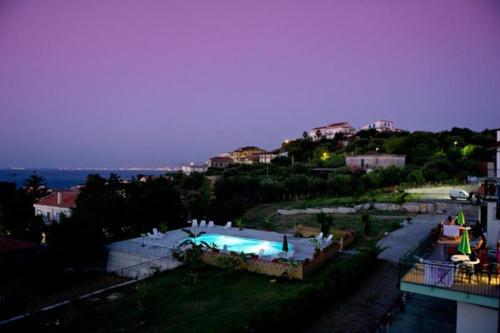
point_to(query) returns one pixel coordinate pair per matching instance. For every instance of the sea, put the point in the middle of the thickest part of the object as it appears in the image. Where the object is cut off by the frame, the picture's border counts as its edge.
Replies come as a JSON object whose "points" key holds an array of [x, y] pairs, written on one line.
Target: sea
{"points": [[67, 178]]}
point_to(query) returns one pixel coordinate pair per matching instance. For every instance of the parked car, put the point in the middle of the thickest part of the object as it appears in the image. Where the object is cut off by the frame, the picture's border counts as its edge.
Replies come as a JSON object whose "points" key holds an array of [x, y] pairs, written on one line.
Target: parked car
{"points": [[457, 194]]}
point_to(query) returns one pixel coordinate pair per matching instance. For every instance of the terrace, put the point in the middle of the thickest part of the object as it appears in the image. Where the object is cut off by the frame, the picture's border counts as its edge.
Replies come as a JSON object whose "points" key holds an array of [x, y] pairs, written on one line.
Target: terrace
{"points": [[428, 269]]}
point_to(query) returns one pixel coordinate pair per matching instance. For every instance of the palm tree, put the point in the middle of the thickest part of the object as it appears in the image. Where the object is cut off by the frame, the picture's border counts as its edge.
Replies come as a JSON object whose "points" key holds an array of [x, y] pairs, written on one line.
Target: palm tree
{"points": [[192, 238]]}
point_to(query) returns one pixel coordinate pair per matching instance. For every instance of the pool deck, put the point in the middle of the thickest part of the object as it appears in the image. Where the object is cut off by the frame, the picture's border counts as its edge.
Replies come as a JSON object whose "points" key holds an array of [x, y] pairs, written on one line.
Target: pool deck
{"points": [[150, 247]]}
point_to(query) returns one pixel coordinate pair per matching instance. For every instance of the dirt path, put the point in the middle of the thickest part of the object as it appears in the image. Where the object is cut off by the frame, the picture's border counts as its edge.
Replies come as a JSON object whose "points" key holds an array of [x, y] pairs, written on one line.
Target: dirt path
{"points": [[361, 312]]}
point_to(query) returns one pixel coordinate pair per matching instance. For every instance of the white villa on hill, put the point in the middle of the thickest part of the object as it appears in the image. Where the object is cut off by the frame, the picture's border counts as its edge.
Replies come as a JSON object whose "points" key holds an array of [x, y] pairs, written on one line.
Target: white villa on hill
{"points": [[381, 126], [329, 131], [52, 206]]}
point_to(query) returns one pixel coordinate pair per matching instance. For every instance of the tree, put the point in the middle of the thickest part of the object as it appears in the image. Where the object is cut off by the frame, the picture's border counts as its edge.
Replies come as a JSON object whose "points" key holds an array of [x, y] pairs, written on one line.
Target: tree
{"points": [[36, 185], [325, 221]]}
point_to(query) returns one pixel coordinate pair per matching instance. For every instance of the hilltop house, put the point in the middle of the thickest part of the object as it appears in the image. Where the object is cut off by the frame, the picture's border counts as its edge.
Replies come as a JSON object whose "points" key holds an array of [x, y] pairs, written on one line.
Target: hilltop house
{"points": [[220, 162], [268, 157], [52, 206], [373, 161], [247, 155], [381, 126], [189, 169], [329, 131]]}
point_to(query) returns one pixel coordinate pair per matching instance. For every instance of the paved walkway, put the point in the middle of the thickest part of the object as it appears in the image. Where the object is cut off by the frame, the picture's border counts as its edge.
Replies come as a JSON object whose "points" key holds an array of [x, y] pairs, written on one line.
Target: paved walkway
{"points": [[397, 243]]}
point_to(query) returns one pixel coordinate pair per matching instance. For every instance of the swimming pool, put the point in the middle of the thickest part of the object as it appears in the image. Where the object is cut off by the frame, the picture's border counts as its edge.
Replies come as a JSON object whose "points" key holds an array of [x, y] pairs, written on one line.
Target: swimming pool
{"points": [[241, 244]]}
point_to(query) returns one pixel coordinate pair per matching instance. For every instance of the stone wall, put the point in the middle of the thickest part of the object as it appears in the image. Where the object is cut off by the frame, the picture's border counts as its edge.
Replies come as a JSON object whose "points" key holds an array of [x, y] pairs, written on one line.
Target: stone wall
{"points": [[431, 207]]}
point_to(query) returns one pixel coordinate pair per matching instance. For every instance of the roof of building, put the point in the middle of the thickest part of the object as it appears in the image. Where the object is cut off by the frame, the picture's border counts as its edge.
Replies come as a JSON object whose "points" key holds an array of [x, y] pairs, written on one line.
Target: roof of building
{"points": [[248, 148], [221, 158], [341, 124], [68, 199], [8, 244]]}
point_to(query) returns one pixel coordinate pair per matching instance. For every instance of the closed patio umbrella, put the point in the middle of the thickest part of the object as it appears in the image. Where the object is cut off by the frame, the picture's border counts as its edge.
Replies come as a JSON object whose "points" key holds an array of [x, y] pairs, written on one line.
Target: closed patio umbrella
{"points": [[464, 246], [461, 217], [285, 244]]}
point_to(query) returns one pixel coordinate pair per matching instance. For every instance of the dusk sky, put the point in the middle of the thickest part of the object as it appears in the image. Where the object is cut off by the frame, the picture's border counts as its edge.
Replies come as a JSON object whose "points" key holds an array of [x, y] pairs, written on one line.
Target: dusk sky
{"points": [[155, 83]]}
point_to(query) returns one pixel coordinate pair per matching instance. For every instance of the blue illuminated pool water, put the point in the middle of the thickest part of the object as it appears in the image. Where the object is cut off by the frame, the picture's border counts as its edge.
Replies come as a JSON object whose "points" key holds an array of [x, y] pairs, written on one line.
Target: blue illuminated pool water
{"points": [[241, 244]]}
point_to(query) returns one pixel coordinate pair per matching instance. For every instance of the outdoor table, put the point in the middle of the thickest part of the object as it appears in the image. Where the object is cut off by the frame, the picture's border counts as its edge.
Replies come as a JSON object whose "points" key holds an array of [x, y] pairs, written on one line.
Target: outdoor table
{"points": [[459, 257]]}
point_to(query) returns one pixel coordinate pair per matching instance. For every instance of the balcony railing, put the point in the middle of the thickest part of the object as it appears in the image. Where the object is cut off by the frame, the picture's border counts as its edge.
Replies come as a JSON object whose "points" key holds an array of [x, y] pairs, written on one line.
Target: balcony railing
{"points": [[426, 265]]}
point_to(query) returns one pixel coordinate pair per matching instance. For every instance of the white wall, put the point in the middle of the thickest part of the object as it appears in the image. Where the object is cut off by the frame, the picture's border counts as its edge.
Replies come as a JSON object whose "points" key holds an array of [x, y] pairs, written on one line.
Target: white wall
{"points": [[474, 318], [54, 212], [492, 226]]}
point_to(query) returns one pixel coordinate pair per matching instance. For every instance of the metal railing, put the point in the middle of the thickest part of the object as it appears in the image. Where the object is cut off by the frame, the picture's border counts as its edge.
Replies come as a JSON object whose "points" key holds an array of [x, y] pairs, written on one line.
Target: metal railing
{"points": [[424, 265]]}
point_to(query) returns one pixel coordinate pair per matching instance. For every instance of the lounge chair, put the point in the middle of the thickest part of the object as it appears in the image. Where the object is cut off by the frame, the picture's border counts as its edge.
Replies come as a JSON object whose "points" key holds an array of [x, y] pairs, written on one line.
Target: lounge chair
{"points": [[203, 224], [156, 234], [150, 235], [329, 239], [289, 254], [319, 237], [228, 225], [195, 224], [261, 253], [224, 249], [211, 224]]}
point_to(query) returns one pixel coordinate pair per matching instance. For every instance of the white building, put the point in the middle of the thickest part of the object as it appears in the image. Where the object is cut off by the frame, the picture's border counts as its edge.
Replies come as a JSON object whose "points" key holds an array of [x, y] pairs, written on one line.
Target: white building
{"points": [[329, 131], [220, 162], [381, 126], [268, 157], [189, 169], [373, 161], [54, 205]]}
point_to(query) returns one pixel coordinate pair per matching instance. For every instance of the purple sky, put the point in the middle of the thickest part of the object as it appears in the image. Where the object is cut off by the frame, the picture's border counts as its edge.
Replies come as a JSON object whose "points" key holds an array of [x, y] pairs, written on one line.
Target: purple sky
{"points": [[151, 83]]}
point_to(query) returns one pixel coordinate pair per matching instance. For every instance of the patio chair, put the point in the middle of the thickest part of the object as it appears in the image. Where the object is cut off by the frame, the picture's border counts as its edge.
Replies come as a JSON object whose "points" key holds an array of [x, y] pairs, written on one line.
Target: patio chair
{"points": [[228, 225], [261, 253], [467, 270], [211, 224], [194, 221], [492, 270], [195, 224], [203, 224], [319, 237], [290, 254], [224, 249]]}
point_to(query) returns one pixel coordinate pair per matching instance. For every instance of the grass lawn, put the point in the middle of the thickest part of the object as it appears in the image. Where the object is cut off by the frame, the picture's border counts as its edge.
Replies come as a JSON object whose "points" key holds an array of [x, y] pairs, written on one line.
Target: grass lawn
{"points": [[376, 196], [169, 302], [381, 221]]}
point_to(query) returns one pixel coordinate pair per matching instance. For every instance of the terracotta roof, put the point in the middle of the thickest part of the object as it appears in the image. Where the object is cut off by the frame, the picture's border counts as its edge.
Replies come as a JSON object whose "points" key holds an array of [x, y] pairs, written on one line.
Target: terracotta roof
{"points": [[11, 244], [342, 124], [221, 158], [247, 148], [68, 199]]}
